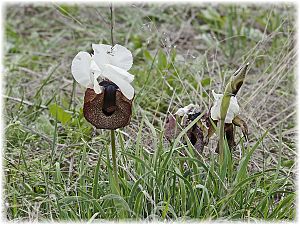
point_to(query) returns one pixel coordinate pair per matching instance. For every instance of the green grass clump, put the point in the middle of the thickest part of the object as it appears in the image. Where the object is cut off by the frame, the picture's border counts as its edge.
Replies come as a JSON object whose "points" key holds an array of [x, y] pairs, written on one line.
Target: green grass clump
{"points": [[57, 166]]}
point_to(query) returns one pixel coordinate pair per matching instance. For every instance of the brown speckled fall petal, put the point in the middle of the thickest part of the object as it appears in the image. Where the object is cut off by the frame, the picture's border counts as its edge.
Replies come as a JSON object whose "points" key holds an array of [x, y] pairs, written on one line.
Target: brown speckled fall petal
{"points": [[229, 133], [195, 134], [92, 110], [171, 128]]}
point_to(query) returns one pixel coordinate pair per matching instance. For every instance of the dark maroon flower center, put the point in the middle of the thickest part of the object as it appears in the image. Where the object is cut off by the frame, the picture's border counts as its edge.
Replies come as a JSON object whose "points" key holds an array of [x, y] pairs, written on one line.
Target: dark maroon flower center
{"points": [[109, 103]]}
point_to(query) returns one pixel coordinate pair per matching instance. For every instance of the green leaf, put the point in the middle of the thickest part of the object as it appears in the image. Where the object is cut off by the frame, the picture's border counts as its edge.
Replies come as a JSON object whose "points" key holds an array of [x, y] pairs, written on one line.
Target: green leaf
{"points": [[138, 203], [57, 112], [205, 82], [162, 60], [287, 163], [66, 10], [283, 206], [137, 41], [43, 125], [147, 55], [96, 178], [242, 168], [211, 14], [173, 55]]}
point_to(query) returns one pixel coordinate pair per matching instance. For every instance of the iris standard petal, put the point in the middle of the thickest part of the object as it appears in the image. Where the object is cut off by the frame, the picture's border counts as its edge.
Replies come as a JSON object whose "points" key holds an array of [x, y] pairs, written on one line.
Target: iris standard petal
{"points": [[121, 57], [189, 109], [80, 68], [216, 96], [215, 112], [116, 77], [101, 55], [181, 112], [234, 106], [232, 111], [118, 56], [192, 109]]}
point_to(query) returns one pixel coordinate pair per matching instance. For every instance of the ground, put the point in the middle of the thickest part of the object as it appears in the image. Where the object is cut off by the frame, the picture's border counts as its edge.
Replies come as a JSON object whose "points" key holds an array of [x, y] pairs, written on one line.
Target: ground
{"points": [[56, 165]]}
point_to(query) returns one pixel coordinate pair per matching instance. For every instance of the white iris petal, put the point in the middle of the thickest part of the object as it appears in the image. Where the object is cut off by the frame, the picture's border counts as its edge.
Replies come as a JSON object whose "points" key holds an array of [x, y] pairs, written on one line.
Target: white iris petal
{"points": [[181, 112], [232, 111], [216, 96], [94, 66], [121, 57], [189, 109], [100, 54], [114, 76], [122, 73], [86, 72], [97, 88], [118, 56], [80, 68]]}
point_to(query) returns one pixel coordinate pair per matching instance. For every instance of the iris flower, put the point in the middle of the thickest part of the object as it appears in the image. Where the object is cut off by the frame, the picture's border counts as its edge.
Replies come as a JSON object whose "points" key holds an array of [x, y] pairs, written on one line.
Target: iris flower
{"points": [[186, 114], [109, 94], [232, 111]]}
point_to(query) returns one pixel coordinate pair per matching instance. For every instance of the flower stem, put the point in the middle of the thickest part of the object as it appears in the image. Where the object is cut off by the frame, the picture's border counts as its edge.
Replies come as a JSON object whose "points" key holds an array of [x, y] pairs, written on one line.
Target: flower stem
{"points": [[221, 142], [112, 132], [115, 183], [114, 159], [231, 89], [112, 25], [224, 108]]}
